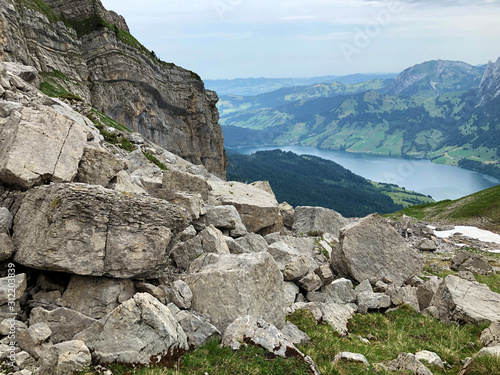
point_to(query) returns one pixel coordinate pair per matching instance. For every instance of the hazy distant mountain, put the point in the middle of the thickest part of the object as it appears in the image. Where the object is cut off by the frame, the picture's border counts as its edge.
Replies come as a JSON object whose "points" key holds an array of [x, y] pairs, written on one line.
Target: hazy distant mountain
{"points": [[445, 111], [436, 77], [236, 103], [256, 86]]}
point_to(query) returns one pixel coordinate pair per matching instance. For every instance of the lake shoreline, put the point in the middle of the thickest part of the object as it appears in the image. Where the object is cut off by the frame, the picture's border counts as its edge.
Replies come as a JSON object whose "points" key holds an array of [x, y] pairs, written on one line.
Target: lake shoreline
{"points": [[406, 171]]}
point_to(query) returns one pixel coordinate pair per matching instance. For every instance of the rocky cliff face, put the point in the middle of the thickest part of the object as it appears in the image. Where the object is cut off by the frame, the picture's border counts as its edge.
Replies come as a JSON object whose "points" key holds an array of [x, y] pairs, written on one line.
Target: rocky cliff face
{"points": [[490, 84], [81, 48]]}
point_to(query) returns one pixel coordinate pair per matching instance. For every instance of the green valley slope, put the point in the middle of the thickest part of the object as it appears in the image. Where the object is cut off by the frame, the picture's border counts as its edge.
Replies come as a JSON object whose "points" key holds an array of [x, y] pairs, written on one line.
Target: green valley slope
{"points": [[304, 180], [480, 209]]}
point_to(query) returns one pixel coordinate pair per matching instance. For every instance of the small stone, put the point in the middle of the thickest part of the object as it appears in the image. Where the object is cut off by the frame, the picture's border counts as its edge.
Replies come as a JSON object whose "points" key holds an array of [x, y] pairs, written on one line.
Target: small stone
{"points": [[430, 357], [348, 356]]}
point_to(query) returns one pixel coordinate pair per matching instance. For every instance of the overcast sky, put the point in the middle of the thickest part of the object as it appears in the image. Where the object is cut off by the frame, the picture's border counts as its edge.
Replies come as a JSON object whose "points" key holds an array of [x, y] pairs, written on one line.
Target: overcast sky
{"points": [[306, 38]]}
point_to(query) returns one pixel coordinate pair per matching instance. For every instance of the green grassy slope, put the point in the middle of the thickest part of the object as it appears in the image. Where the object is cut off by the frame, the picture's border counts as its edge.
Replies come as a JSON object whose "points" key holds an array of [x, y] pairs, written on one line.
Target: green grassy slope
{"points": [[480, 209]]}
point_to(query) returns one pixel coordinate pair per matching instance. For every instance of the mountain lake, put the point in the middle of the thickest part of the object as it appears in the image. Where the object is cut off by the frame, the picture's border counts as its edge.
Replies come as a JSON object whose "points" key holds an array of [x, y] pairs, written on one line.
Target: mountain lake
{"points": [[420, 175]]}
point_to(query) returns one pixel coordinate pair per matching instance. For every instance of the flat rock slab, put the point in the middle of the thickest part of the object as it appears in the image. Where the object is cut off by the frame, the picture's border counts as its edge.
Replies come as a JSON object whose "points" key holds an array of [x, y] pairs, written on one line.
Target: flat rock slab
{"points": [[90, 230], [466, 302]]}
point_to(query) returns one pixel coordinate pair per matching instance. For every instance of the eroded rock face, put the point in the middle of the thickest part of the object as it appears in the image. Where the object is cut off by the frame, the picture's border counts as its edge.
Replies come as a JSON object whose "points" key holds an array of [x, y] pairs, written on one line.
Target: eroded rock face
{"points": [[372, 249], [89, 230], [139, 331], [168, 105], [226, 287]]}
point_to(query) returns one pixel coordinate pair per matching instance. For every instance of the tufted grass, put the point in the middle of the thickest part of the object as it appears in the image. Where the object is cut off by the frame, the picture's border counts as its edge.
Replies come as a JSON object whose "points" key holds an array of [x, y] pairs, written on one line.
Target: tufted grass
{"points": [[399, 331]]}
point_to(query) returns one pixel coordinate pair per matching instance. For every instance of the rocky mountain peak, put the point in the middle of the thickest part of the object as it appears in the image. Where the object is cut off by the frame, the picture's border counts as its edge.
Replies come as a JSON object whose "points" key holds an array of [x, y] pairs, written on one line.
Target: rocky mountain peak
{"points": [[436, 77], [490, 84]]}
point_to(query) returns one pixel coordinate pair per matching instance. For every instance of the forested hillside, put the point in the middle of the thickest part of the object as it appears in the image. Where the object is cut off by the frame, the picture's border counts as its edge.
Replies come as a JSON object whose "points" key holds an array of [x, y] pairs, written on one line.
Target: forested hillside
{"points": [[304, 180]]}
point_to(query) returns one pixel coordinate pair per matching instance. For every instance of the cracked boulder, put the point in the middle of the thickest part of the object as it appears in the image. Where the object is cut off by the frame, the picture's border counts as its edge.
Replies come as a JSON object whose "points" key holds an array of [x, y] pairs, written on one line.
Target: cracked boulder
{"points": [[372, 249], [59, 141], [465, 301], [90, 230], [226, 287], [139, 331]]}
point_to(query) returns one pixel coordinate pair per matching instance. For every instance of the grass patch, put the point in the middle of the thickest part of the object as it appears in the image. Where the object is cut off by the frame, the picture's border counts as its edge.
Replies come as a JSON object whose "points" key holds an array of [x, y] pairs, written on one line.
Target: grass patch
{"points": [[101, 121], [55, 90], [481, 208], [108, 121], [399, 331], [485, 365], [214, 359], [40, 6], [492, 280], [153, 159]]}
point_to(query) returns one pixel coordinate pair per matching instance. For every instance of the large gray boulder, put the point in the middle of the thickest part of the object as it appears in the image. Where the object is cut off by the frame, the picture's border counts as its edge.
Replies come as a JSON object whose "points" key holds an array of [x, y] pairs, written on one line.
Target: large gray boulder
{"points": [[317, 219], [226, 287], [139, 331], [465, 301], [258, 209], [372, 249], [96, 297], [59, 142], [63, 322], [90, 230]]}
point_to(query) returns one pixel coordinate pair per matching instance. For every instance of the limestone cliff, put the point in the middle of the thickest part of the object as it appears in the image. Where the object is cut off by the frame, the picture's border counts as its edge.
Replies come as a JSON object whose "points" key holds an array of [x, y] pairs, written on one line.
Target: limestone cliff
{"points": [[81, 48]]}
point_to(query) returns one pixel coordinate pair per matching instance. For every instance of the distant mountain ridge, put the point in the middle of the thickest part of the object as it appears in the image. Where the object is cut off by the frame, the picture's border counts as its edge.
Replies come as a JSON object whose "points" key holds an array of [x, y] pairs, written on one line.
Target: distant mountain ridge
{"points": [[256, 86], [446, 111]]}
